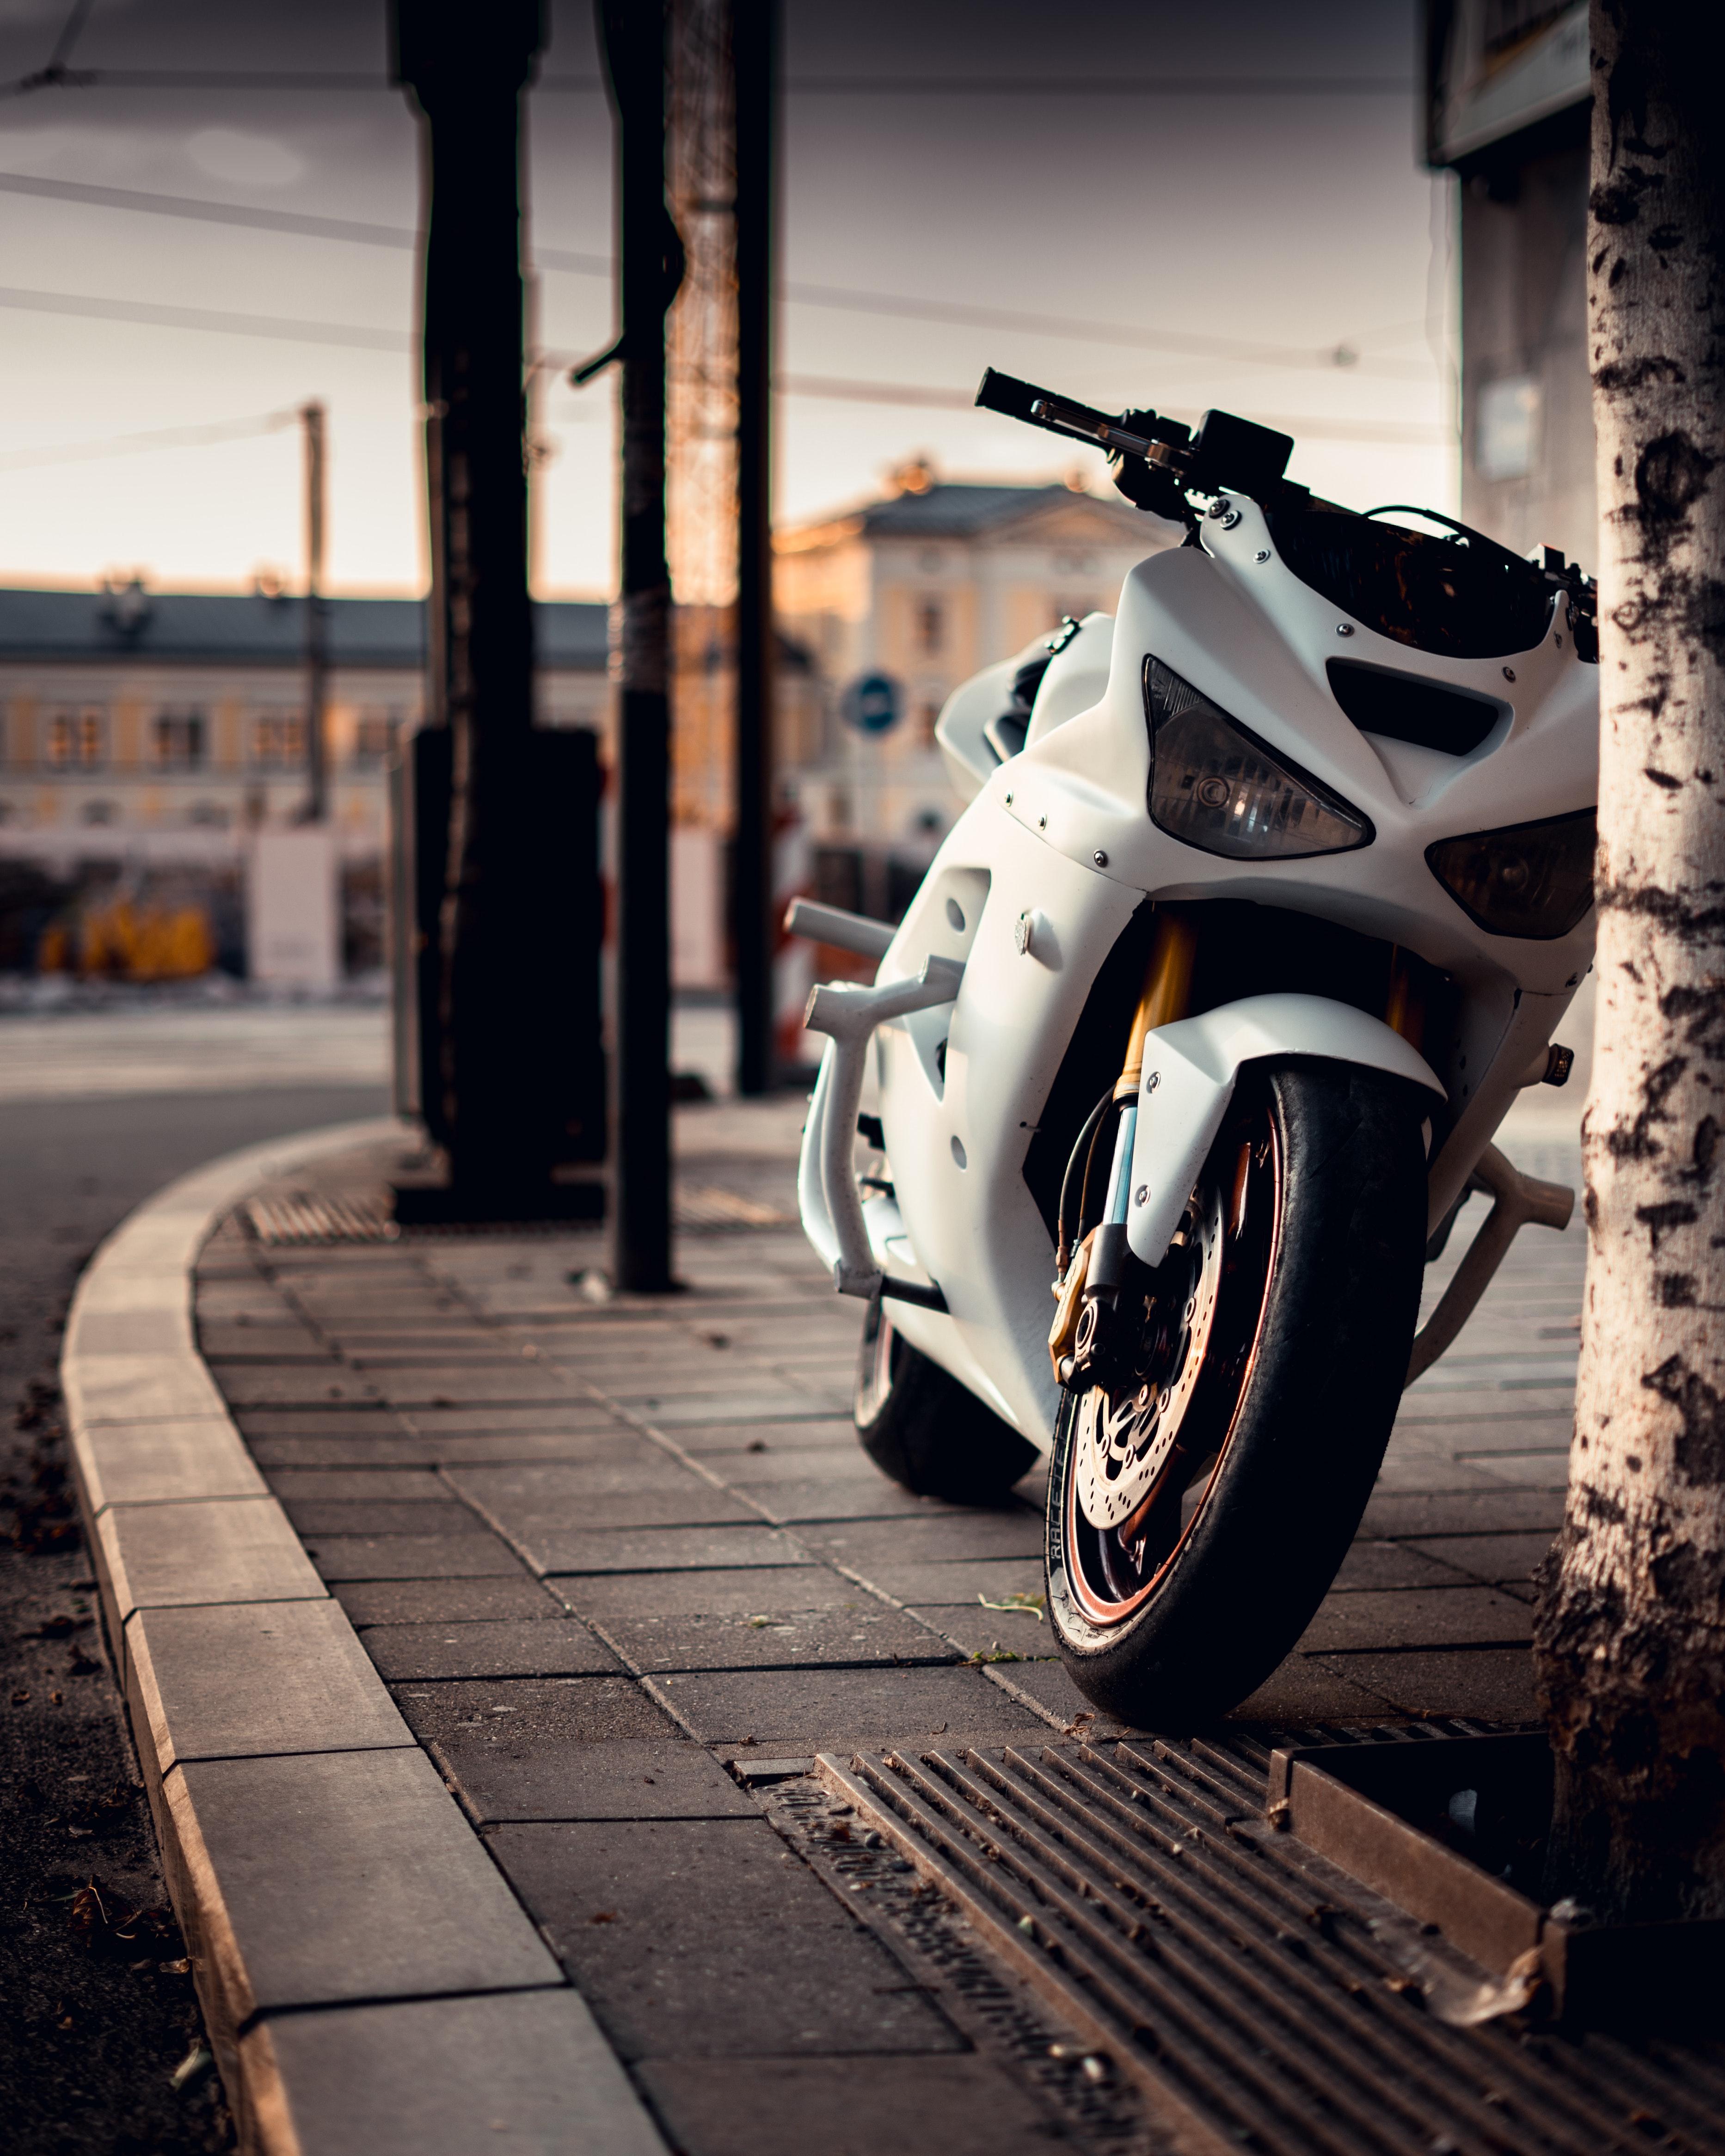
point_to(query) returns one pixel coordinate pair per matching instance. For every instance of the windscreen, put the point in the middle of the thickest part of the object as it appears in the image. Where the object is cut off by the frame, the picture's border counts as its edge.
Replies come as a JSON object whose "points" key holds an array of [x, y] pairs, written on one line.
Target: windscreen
{"points": [[1461, 599]]}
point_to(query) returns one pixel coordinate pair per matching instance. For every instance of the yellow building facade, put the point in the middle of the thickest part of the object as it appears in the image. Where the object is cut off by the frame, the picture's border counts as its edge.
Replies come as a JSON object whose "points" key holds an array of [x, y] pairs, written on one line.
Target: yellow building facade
{"points": [[920, 589]]}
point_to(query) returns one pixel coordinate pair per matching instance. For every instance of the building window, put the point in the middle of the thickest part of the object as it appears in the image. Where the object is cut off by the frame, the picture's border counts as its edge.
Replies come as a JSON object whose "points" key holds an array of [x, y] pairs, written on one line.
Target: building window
{"points": [[928, 713], [77, 741], [176, 740], [930, 625], [278, 740], [101, 812], [1506, 427], [208, 815], [375, 736]]}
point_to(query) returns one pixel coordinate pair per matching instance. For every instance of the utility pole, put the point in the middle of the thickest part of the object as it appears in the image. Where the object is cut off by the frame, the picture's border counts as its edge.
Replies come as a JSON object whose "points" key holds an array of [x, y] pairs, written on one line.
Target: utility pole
{"points": [[632, 39], [755, 53], [495, 1080], [317, 624], [1630, 1635]]}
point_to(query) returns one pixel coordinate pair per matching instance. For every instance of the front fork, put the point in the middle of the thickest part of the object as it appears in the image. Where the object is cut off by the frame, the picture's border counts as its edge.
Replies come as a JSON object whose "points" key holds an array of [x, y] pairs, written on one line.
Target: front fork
{"points": [[1089, 1276]]}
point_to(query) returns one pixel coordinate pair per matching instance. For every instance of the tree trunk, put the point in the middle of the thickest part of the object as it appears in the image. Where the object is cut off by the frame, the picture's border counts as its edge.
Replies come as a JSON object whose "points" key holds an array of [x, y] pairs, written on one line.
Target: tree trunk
{"points": [[1629, 1640]]}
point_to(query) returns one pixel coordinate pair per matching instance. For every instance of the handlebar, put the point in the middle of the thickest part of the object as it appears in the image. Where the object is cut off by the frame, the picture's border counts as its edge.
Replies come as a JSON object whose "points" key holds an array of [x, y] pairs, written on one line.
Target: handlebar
{"points": [[1158, 464], [1226, 451]]}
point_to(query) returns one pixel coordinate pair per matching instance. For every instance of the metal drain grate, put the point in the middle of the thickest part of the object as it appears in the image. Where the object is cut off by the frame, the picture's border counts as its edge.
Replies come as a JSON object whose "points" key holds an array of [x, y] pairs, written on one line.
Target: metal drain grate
{"points": [[1257, 1995], [709, 1205], [305, 1217]]}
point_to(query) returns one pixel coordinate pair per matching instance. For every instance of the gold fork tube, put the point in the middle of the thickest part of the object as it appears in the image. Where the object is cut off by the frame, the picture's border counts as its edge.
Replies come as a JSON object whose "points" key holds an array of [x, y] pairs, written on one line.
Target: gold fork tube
{"points": [[1166, 992], [1404, 1005]]}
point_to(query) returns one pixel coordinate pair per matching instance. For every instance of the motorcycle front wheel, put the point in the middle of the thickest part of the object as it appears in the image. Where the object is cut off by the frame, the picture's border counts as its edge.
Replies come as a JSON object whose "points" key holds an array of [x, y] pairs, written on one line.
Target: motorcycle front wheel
{"points": [[1203, 1495]]}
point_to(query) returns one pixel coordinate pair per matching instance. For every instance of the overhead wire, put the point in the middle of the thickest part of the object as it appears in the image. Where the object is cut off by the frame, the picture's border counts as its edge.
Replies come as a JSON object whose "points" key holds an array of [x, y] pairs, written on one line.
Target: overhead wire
{"points": [[1317, 428], [356, 337], [53, 73], [60, 76], [843, 299], [156, 438], [156, 315]]}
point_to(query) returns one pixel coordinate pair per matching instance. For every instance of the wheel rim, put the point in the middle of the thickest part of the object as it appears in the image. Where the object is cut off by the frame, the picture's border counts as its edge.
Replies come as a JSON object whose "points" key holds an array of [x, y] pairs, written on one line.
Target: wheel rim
{"points": [[1116, 1554], [874, 1367]]}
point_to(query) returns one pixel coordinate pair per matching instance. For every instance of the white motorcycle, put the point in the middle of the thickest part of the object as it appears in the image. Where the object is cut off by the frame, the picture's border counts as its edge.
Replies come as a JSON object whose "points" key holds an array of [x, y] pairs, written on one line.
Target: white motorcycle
{"points": [[1270, 891]]}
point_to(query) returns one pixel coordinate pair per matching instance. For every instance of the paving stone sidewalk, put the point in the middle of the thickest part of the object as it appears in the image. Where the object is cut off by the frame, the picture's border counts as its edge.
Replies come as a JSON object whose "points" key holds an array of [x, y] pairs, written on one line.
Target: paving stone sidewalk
{"points": [[626, 1572]]}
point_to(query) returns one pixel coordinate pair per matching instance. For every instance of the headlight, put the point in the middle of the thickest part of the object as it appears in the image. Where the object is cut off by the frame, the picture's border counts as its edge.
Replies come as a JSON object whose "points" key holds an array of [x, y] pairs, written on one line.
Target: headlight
{"points": [[1533, 880], [1220, 788]]}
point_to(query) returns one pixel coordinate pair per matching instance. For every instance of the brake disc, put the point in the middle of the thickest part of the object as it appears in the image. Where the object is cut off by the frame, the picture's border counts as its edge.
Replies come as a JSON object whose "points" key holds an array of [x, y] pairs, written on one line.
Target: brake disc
{"points": [[1126, 1431]]}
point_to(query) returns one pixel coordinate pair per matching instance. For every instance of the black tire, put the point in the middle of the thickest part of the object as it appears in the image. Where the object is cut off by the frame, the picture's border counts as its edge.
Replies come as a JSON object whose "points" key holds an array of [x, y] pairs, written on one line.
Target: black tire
{"points": [[924, 1429], [1292, 1407]]}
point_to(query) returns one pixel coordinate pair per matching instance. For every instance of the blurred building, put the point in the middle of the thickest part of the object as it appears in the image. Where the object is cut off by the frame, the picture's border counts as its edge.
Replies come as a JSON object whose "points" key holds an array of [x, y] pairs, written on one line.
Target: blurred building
{"points": [[900, 600], [144, 736], [703, 775], [1508, 102]]}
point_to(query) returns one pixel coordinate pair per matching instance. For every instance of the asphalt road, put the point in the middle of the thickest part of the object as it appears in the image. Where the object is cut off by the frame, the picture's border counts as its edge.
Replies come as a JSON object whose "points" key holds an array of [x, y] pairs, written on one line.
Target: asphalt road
{"points": [[96, 2012]]}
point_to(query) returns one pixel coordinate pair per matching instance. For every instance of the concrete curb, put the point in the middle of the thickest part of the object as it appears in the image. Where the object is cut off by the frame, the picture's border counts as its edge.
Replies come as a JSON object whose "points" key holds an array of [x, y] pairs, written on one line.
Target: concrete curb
{"points": [[369, 1983]]}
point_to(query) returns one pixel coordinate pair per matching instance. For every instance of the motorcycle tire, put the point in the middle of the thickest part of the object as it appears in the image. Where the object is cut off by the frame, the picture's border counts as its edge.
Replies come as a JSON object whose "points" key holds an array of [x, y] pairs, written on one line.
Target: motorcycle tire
{"points": [[923, 1428], [1302, 1255]]}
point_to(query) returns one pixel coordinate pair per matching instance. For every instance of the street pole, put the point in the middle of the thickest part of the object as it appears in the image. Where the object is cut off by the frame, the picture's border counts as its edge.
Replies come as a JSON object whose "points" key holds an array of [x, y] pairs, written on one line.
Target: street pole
{"points": [[317, 630], [632, 38], [495, 1115], [755, 56]]}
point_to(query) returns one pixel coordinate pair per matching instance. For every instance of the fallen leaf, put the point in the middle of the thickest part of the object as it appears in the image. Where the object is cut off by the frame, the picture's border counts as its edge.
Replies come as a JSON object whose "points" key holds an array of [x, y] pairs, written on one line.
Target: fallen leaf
{"points": [[191, 2069], [1464, 2007], [602, 1916], [87, 1916]]}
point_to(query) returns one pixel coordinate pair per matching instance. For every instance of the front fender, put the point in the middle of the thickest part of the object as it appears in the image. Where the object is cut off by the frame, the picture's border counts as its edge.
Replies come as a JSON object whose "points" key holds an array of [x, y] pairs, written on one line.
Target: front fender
{"points": [[1190, 1068]]}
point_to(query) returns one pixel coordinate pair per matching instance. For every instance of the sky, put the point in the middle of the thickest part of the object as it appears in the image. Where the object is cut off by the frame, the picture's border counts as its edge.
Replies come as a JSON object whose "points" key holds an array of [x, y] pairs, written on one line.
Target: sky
{"points": [[1153, 204]]}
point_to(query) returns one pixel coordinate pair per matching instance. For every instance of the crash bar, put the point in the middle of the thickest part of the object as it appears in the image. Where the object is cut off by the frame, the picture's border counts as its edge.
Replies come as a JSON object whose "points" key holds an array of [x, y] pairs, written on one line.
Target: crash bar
{"points": [[1519, 1198], [831, 924], [849, 1013]]}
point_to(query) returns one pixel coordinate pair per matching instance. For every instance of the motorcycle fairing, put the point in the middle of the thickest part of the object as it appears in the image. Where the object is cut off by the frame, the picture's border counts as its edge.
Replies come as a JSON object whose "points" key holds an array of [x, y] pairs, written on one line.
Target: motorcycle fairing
{"points": [[1063, 829]]}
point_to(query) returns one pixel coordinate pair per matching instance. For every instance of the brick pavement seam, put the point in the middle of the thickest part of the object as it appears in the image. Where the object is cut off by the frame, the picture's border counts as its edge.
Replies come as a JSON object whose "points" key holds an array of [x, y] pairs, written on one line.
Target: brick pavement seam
{"points": [[165, 1529], [645, 1427]]}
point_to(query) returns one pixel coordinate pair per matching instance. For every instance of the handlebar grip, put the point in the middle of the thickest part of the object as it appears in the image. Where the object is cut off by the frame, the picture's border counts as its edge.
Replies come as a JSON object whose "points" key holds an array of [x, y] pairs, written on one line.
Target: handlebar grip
{"points": [[1014, 400], [1005, 394]]}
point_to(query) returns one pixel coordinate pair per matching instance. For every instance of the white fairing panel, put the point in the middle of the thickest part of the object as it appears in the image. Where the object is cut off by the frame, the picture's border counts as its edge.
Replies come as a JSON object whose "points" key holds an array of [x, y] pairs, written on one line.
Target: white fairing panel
{"points": [[1077, 677], [970, 762], [1190, 1069]]}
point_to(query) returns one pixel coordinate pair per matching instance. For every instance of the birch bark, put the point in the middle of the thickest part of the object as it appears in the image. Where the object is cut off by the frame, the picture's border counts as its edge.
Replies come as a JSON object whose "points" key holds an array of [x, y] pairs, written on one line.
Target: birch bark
{"points": [[1630, 1640]]}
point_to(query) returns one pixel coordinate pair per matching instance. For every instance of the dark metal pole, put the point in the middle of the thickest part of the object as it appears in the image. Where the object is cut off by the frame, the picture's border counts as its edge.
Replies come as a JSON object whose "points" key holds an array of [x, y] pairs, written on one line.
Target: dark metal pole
{"points": [[755, 49], [466, 68], [633, 42], [317, 625]]}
